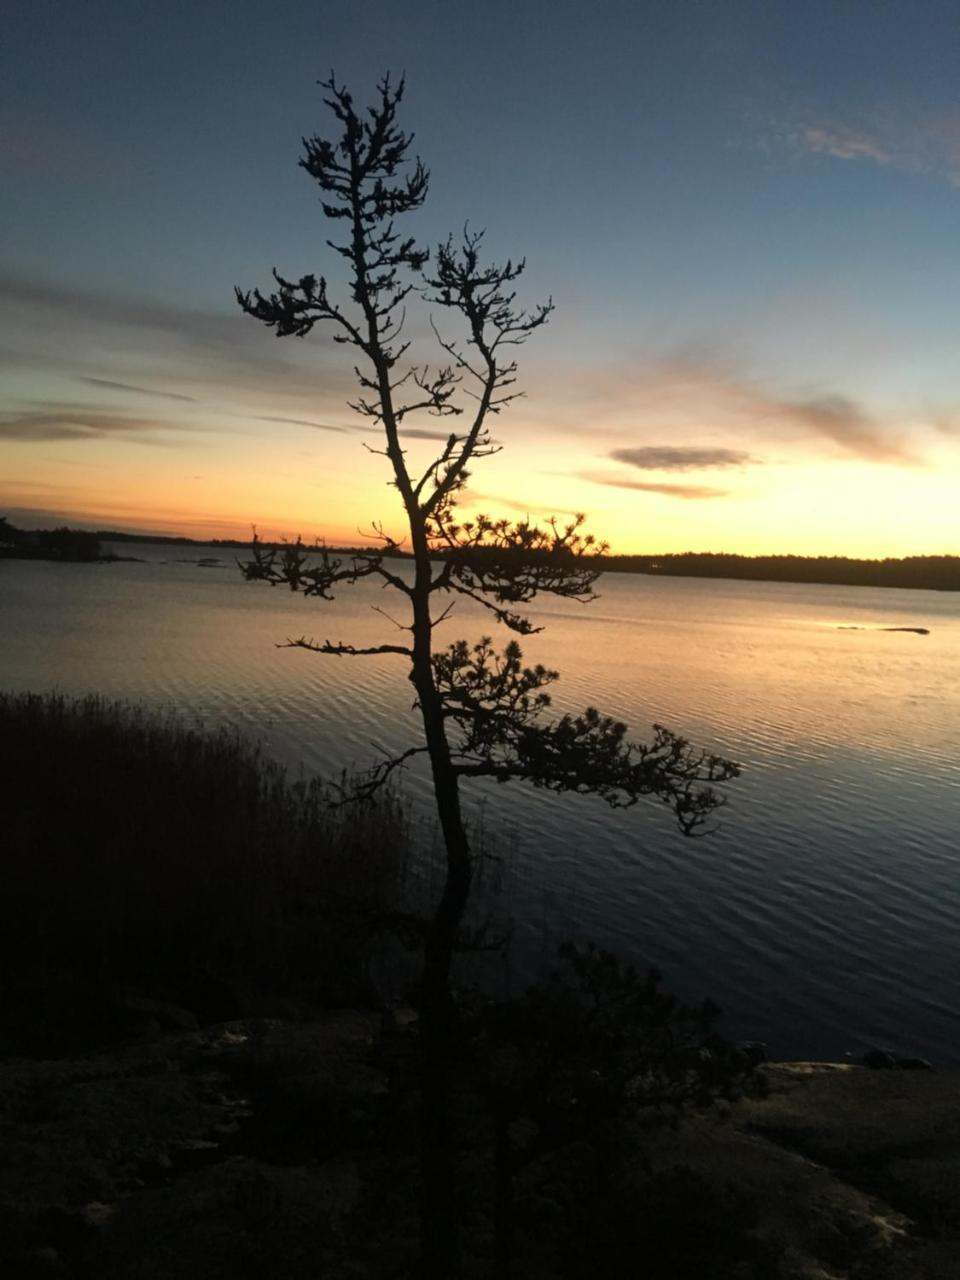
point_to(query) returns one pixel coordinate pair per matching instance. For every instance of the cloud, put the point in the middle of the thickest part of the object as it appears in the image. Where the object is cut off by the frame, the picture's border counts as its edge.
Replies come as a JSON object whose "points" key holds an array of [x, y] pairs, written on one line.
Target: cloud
{"points": [[846, 424], [688, 492], [946, 421], [299, 422], [407, 433], [43, 150], [471, 498], [120, 350], [425, 433], [107, 515], [703, 397], [921, 142], [665, 457], [47, 517], [83, 423], [846, 144], [93, 335], [140, 391], [842, 421]]}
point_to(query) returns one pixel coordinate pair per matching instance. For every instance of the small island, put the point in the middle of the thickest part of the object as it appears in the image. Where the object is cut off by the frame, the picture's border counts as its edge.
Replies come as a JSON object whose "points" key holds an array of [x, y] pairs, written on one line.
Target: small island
{"points": [[69, 546], [74, 545]]}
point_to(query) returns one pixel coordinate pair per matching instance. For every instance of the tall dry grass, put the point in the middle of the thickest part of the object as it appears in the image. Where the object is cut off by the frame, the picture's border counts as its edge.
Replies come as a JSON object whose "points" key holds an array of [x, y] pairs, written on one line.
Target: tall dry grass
{"points": [[139, 850]]}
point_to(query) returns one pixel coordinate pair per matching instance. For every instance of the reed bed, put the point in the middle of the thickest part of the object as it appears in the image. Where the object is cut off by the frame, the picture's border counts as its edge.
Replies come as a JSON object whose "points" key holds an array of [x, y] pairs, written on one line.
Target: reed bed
{"points": [[142, 851]]}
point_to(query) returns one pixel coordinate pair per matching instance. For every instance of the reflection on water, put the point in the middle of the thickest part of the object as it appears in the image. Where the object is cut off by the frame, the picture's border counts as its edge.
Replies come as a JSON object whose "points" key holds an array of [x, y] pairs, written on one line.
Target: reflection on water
{"points": [[823, 916]]}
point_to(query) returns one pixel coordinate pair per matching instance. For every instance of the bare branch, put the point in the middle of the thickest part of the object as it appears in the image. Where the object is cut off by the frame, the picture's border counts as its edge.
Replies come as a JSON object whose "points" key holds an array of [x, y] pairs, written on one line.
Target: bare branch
{"points": [[442, 617], [340, 650], [483, 297], [401, 626], [366, 785]]}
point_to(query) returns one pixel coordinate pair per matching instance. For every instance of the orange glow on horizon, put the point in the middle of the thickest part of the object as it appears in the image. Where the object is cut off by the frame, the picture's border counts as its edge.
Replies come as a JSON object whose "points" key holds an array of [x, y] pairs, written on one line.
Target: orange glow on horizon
{"points": [[860, 511], [741, 486]]}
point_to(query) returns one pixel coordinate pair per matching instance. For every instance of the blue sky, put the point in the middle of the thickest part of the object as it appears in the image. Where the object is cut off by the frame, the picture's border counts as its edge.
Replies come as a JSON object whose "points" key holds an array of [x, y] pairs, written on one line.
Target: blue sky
{"points": [[748, 216]]}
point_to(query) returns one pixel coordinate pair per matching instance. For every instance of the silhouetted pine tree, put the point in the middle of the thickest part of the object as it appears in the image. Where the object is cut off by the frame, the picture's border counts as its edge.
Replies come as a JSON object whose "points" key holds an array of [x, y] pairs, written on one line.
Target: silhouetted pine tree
{"points": [[481, 710]]}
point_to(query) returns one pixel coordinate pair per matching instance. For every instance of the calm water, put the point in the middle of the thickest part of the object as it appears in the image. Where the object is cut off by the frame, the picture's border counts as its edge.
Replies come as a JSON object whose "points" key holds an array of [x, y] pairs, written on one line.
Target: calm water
{"points": [[823, 916]]}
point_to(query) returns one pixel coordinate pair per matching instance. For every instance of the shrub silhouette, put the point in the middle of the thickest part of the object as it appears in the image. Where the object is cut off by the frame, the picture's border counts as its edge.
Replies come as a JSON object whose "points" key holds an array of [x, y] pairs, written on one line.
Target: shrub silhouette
{"points": [[574, 1057]]}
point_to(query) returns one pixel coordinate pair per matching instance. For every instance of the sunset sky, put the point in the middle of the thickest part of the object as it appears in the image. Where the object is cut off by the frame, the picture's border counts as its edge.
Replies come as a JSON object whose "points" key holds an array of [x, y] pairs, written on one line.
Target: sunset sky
{"points": [[748, 216]]}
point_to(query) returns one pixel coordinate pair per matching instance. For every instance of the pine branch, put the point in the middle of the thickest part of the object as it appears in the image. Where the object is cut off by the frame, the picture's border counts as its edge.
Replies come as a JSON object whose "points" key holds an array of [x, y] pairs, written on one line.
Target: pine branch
{"points": [[514, 561], [496, 703]]}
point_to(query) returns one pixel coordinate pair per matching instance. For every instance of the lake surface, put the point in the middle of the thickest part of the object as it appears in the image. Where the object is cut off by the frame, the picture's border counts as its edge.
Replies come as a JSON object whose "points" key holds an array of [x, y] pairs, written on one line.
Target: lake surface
{"points": [[824, 915]]}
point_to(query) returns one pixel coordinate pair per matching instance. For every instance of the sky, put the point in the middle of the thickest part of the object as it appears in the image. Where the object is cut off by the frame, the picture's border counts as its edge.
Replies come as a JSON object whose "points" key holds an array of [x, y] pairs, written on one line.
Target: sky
{"points": [[747, 215]]}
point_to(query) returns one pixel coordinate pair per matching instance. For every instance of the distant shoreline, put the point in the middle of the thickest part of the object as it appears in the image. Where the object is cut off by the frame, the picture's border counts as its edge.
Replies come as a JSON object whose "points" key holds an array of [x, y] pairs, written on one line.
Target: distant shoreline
{"points": [[917, 573]]}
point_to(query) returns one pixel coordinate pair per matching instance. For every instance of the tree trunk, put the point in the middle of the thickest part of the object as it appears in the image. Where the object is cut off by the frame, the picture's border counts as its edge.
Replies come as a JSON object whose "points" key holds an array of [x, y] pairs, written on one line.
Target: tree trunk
{"points": [[438, 1218]]}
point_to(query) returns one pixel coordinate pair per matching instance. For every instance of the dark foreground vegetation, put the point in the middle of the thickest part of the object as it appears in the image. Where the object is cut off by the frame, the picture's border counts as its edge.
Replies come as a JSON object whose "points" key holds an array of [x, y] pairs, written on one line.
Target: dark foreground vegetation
{"points": [[144, 858], [199, 1078]]}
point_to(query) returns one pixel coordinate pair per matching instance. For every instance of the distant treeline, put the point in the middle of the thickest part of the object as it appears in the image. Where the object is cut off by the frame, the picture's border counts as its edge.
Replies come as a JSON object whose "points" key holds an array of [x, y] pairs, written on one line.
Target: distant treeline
{"points": [[936, 573], [48, 544], [81, 544], [932, 573], [170, 539], [112, 535]]}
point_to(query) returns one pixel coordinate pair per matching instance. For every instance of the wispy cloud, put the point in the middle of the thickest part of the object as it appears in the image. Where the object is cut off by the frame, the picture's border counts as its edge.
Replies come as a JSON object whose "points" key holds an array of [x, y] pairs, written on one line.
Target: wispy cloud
{"points": [[702, 396], [687, 492], [848, 425], [425, 433], [82, 423], [219, 353], [407, 433], [298, 422], [947, 422], [47, 150], [846, 144], [110, 385], [665, 457], [491, 501], [40, 517], [156, 374], [926, 142]]}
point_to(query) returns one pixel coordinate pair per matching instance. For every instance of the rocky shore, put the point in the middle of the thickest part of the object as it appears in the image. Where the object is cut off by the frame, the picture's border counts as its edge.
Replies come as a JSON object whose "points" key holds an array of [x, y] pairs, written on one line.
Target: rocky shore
{"points": [[263, 1147]]}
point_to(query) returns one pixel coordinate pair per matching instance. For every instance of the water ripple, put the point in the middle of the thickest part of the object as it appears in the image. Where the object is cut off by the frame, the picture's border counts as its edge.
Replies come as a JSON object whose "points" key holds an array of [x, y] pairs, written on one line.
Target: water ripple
{"points": [[824, 914]]}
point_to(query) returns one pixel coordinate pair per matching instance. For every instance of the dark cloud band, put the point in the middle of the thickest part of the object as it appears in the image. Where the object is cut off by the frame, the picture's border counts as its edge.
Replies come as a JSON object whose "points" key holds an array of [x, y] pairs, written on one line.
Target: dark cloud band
{"points": [[85, 424], [687, 492], [665, 457], [140, 391]]}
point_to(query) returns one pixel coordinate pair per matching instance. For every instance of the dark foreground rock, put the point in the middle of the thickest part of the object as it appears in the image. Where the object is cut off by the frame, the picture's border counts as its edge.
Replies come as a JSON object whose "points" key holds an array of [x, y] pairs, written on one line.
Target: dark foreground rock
{"points": [[263, 1148], [165, 1158], [892, 1139]]}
